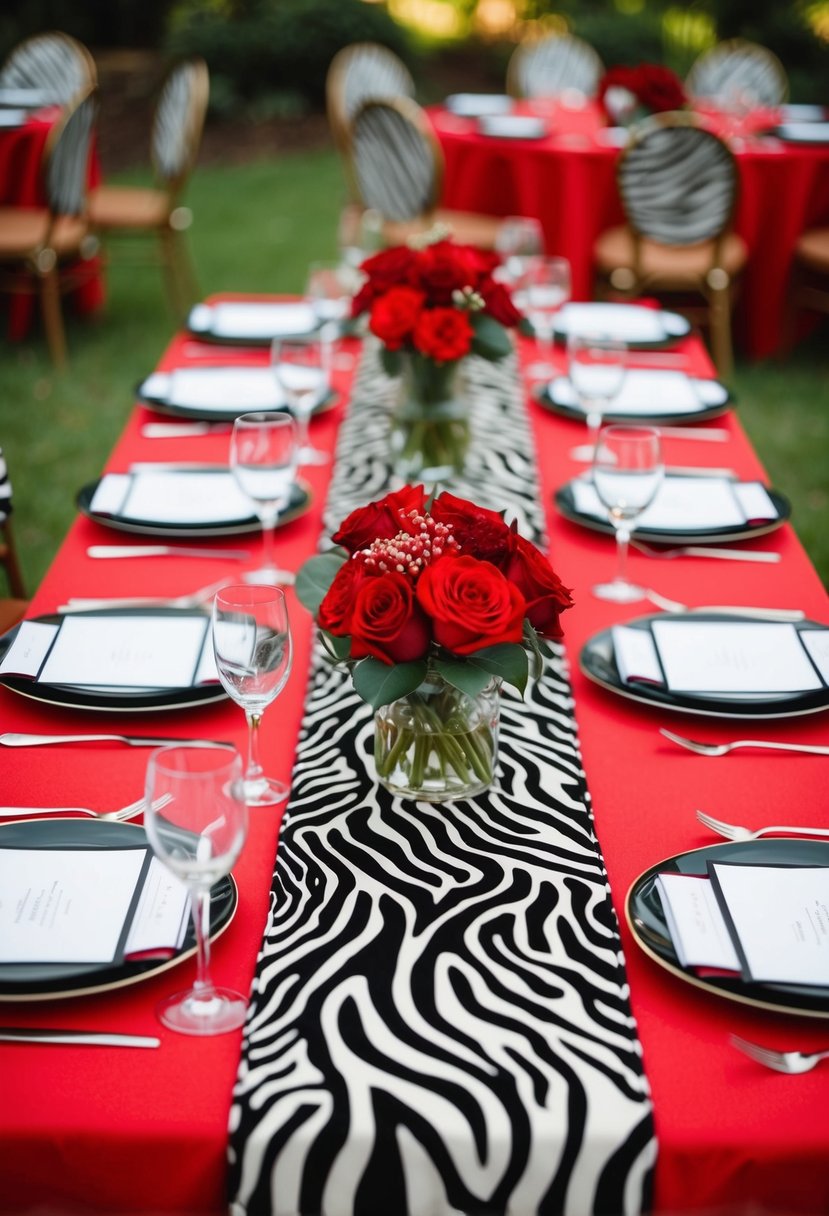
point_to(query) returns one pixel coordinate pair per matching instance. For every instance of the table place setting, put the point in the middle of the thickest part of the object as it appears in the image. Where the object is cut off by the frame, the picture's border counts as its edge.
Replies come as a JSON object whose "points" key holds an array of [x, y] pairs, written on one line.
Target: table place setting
{"points": [[252, 322], [746, 920], [478, 105], [635, 324], [208, 394], [714, 665], [647, 394]]}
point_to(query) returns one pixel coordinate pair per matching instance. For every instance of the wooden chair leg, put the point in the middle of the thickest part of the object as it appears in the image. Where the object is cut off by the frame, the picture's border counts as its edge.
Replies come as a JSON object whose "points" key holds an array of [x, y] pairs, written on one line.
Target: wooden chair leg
{"points": [[53, 317], [720, 328]]}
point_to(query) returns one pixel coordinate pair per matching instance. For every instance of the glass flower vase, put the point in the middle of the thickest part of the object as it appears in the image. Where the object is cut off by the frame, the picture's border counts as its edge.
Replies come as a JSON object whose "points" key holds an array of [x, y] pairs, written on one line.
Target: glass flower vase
{"points": [[438, 743], [430, 422]]}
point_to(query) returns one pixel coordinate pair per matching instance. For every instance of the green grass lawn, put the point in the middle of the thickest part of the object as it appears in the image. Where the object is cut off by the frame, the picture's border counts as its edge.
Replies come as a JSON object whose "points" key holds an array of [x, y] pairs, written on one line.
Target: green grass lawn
{"points": [[258, 226]]}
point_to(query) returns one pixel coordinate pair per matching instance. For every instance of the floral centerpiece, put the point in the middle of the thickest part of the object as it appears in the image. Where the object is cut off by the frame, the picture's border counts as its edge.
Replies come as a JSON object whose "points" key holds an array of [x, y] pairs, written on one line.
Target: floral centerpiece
{"points": [[431, 304], [629, 94], [432, 605]]}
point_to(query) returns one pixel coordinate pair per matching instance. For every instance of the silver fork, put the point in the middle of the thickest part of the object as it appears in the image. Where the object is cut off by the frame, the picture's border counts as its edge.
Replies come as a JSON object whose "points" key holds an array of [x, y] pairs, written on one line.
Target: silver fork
{"points": [[759, 614], [125, 812], [791, 1062], [734, 555], [722, 749], [732, 831]]}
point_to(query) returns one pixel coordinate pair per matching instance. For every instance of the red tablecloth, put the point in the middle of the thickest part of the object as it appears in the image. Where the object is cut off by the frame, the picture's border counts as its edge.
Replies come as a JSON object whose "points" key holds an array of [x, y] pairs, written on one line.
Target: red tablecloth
{"points": [[108, 1129], [21, 154], [568, 181]]}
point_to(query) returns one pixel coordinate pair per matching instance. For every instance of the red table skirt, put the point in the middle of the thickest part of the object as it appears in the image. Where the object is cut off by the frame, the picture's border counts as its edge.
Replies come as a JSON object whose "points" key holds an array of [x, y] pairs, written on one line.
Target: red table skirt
{"points": [[568, 181], [107, 1129]]}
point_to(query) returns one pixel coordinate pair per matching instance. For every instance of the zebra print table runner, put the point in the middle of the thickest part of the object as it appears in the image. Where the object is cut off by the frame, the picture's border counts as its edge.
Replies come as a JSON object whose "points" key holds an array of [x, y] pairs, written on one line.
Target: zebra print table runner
{"points": [[439, 1022]]}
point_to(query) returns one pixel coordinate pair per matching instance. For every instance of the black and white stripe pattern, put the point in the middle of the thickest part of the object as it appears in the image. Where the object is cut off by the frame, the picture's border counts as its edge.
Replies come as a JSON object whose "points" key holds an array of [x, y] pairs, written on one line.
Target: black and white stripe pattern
{"points": [[179, 118], [68, 159], [738, 72], [394, 163], [5, 490], [678, 183], [53, 62], [369, 70], [440, 1022], [547, 67]]}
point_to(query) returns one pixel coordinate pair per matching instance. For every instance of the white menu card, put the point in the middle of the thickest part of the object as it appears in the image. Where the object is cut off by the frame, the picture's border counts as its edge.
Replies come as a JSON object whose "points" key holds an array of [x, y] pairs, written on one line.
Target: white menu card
{"points": [[688, 504], [248, 320], [172, 496], [624, 321], [695, 922], [131, 651], [779, 916], [216, 388], [648, 391], [733, 657]]}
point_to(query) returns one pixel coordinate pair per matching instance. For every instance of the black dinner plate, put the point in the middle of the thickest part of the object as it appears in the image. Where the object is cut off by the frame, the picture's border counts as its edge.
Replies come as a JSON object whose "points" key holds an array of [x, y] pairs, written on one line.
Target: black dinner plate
{"points": [[565, 502], [299, 503], [51, 981], [674, 326], [646, 918], [111, 700], [552, 398], [202, 323], [597, 661], [161, 404]]}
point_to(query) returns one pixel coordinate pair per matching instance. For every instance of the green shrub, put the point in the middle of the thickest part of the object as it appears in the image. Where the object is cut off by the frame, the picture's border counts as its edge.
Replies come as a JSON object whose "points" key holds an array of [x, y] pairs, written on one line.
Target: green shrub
{"points": [[269, 48]]}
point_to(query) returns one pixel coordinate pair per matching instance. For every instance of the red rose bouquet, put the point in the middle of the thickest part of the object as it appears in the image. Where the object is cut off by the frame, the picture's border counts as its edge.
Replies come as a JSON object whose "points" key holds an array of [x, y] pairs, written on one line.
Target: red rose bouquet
{"points": [[429, 603], [631, 93], [431, 305]]}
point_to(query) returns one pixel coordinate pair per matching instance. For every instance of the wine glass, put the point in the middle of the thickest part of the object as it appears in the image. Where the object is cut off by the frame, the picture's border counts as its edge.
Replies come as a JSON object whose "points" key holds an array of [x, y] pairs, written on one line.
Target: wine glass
{"points": [[299, 367], [263, 460], [253, 651], [329, 291], [547, 288], [198, 835], [596, 365], [627, 472], [518, 238]]}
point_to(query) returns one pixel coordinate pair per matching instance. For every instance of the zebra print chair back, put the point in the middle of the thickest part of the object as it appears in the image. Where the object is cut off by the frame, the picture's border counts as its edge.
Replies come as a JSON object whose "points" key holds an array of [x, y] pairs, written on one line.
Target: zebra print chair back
{"points": [[396, 161], [179, 120], [678, 181], [549, 66], [67, 159], [9, 612], [362, 71], [738, 68], [54, 62]]}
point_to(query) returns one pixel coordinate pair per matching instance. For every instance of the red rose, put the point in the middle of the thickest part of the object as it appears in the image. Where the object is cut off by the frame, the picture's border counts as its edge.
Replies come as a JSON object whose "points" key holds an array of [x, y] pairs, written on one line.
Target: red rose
{"points": [[471, 604], [443, 334], [545, 594], [659, 88], [380, 520], [476, 529], [444, 268], [395, 315], [498, 303], [334, 613], [387, 622]]}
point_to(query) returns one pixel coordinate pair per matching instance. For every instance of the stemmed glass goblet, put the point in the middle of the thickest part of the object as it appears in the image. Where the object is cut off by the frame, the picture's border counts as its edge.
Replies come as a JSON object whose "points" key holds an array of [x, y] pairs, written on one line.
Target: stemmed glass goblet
{"points": [[253, 651], [263, 459], [596, 366], [329, 291], [299, 367], [627, 472], [518, 239], [547, 288], [198, 835]]}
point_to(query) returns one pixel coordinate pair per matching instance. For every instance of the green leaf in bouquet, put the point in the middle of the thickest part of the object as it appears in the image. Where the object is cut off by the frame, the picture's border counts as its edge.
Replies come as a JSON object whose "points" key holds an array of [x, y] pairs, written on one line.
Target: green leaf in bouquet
{"points": [[464, 675], [315, 577], [507, 660], [533, 642], [380, 684], [338, 648], [391, 362], [491, 340]]}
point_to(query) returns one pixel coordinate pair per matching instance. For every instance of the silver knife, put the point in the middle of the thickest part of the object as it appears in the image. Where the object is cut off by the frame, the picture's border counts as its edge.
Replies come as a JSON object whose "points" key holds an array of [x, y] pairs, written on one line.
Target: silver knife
{"points": [[18, 1034], [16, 740], [238, 555]]}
